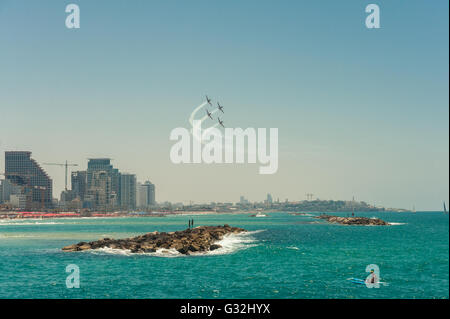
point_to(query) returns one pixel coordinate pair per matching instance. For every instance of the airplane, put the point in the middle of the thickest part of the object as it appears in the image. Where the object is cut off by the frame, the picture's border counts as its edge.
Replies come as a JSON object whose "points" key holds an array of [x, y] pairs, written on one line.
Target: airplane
{"points": [[209, 114], [208, 100], [220, 122], [220, 107]]}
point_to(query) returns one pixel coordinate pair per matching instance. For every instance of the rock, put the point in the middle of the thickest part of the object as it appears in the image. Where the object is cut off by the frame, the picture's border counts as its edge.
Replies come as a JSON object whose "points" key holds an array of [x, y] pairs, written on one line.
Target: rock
{"points": [[84, 247], [354, 220], [70, 248], [199, 239], [194, 248], [183, 250]]}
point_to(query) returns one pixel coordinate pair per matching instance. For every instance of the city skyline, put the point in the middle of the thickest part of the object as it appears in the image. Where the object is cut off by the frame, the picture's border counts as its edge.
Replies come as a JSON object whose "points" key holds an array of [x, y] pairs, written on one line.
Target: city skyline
{"points": [[74, 191], [360, 112]]}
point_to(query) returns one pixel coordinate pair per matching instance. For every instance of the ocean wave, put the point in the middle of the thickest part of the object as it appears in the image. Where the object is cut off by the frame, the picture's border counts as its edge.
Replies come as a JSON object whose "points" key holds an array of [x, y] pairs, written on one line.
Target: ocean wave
{"points": [[109, 251], [15, 236], [293, 247], [230, 243], [28, 223], [396, 224]]}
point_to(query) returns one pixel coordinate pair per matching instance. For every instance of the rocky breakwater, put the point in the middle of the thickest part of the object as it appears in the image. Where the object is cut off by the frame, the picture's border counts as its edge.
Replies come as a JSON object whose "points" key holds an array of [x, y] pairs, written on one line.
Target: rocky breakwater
{"points": [[354, 220], [199, 239]]}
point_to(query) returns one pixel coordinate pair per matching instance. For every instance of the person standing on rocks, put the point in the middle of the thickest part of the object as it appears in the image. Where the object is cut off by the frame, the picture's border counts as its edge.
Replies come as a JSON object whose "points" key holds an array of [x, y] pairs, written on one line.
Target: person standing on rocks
{"points": [[189, 224]]}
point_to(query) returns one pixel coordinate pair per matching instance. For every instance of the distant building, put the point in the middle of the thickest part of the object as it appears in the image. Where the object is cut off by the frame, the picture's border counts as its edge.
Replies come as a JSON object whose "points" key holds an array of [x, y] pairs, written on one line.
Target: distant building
{"points": [[145, 195], [7, 189], [67, 196], [99, 193], [23, 171], [243, 200], [102, 184], [128, 191], [18, 201], [269, 199], [151, 193], [79, 180], [141, 196]]}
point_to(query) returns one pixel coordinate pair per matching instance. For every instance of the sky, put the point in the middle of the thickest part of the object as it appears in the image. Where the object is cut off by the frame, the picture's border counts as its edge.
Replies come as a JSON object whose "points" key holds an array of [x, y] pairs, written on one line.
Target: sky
{"points": [[360, 112]]}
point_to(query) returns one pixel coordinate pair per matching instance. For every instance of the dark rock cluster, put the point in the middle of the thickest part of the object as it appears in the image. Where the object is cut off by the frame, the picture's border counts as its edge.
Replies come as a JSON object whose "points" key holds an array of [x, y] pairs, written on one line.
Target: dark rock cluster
{"points": [[199, 239], [354, 220]]}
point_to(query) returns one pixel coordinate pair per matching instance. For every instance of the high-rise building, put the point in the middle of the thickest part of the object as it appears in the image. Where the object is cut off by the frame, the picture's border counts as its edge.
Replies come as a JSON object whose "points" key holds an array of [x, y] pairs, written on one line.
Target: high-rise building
{"points": [[141, 196], [78, 180], [151, 193], [23, 171], [145, 195], [128, 191], [102, 184], [99, 195], [269, 199]]}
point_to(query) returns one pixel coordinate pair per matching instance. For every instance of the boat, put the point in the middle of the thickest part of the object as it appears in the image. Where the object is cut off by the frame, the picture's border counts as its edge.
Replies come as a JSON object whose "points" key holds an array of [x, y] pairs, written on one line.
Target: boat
{"points": [[357, 281], [259, 214]]}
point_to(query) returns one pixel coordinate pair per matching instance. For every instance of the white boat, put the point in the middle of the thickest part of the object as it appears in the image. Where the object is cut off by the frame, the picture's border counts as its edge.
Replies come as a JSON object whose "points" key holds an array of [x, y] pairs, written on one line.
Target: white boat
{"points": [[259, 214]]}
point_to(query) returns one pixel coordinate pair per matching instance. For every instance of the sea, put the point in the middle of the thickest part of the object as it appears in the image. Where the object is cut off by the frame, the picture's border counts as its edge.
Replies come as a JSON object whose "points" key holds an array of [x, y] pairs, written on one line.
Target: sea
{"points": [[281, 256]]}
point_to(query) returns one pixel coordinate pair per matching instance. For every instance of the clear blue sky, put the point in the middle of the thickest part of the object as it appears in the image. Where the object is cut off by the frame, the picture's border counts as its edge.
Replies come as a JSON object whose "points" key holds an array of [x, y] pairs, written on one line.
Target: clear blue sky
{"points": [[360, 112]]}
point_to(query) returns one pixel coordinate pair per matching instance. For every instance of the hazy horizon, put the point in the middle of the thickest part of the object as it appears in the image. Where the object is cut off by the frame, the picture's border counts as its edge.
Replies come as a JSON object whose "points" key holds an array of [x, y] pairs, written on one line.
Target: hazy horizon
{"points": [[360, 112]]}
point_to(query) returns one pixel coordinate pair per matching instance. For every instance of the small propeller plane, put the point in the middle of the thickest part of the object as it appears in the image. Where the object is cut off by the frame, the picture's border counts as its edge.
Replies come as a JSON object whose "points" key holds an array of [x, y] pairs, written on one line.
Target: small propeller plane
{"points": [[209, 114], [220, 122], [208, 100], [220, 107]]}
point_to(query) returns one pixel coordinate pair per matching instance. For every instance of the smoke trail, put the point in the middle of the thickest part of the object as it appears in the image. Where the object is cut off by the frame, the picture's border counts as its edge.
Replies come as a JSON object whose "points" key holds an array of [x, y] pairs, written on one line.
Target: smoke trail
{"points": [[191, 121], [198, 108]]}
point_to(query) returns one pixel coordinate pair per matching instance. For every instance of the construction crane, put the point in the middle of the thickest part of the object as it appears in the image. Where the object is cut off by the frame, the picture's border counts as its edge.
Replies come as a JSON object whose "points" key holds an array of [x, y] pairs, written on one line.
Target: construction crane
{"points": [[65, 165]]}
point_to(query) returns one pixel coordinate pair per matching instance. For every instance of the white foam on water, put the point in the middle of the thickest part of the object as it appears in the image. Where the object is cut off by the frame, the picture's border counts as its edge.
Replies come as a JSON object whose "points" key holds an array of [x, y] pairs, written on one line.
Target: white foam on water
{"points": [[172, 252], [28, 223], [110, 251], [16, 236], [231, 243], [293, 247], [396, 224]]}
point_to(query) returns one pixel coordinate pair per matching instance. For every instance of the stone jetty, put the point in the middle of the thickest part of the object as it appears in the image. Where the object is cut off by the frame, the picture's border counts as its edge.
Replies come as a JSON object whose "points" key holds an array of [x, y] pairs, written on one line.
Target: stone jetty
{"points": [[198, 239], [354, 220]]}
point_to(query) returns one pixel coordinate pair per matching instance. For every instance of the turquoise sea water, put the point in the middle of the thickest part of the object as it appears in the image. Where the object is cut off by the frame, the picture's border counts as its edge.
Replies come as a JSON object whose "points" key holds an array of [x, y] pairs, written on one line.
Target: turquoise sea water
{"points": [[284, 256]]}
